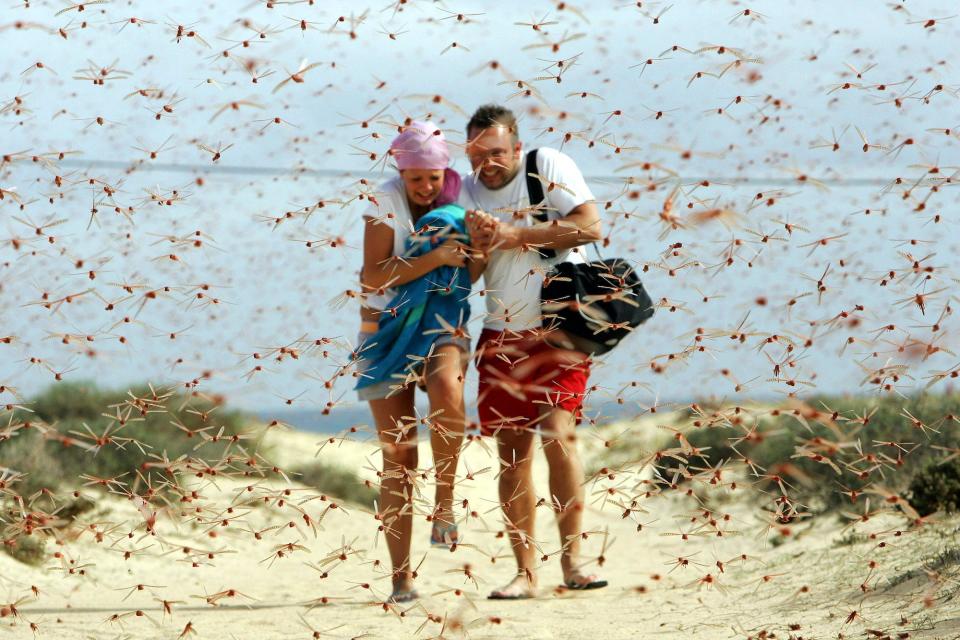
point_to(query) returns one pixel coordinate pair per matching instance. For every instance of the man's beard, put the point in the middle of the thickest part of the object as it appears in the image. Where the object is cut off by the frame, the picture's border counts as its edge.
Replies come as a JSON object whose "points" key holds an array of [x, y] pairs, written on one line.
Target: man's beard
{"points": [[507, 180]]}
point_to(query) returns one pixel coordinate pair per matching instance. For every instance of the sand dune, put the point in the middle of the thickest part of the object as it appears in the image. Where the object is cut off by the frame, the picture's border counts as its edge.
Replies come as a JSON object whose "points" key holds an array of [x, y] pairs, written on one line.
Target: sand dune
{"points": [[807, 584]]}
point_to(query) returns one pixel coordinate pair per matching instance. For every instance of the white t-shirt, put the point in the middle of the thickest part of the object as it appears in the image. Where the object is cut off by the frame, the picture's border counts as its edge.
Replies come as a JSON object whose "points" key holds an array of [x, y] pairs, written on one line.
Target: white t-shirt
{"points": [[392, 198], [514, 277]]}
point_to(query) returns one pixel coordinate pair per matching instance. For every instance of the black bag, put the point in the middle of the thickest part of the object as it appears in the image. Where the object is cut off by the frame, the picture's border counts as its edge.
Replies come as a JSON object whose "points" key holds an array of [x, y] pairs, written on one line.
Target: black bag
{"points": [[594, 305], [591, 306]]}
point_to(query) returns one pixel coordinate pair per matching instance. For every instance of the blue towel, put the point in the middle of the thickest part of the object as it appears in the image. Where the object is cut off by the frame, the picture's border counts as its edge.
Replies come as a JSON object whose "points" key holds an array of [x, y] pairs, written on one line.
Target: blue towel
{"points": [[406, 331]]}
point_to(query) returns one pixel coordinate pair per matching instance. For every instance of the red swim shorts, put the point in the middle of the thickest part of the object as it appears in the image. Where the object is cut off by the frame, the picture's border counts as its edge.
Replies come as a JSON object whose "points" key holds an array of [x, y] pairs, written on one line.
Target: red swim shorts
{"points": [[520, 374]]}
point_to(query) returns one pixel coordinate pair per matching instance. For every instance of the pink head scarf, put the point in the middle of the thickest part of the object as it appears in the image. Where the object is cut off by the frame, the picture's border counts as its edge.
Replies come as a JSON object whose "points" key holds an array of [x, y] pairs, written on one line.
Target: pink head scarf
{"points": [[422, 145], [451, 188]]}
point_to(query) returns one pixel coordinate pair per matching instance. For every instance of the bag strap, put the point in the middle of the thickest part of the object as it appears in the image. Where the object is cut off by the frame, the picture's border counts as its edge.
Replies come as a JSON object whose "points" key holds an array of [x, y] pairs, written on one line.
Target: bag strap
{"points": [[536, 196], [596, 249], [534, 188]]}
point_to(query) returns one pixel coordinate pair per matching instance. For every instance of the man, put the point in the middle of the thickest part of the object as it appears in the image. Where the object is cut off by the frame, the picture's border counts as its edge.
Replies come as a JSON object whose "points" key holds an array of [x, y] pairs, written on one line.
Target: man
{"points": [[525, 383]]}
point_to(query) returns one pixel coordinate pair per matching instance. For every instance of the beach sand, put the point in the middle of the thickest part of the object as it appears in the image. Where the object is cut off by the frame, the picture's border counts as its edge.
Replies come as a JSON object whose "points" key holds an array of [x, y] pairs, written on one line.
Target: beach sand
{"points": [[810, 579]]}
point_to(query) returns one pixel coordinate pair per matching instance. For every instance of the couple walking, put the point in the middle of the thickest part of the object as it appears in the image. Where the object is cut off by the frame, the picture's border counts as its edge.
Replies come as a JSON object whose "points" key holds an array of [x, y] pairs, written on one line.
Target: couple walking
{"points": [[428, 237]]}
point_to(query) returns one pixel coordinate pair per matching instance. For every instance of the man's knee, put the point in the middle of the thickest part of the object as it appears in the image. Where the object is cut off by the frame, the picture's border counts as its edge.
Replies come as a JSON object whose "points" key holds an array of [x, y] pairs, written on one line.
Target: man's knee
{"points": [[561, 452], [559, 431]]}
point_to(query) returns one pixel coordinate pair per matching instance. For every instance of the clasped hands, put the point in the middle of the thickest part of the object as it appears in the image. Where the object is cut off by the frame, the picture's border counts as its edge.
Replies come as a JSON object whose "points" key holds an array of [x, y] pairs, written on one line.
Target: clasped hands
{"points": [[482, 230], [487, 233]]}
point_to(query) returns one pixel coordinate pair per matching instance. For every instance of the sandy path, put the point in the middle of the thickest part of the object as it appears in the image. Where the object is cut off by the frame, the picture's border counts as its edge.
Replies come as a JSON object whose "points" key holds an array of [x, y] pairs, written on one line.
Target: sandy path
{"points": [[811, 580]]}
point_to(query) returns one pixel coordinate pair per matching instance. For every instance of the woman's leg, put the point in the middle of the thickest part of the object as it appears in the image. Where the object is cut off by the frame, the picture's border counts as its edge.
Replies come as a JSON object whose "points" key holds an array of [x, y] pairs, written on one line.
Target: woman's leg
{"points": [[398, 444], [445, 374]]}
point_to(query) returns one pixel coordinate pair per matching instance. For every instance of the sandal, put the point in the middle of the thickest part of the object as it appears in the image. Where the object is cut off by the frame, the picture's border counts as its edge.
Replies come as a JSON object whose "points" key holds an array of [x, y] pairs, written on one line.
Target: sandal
{"points": [[443, 536]]}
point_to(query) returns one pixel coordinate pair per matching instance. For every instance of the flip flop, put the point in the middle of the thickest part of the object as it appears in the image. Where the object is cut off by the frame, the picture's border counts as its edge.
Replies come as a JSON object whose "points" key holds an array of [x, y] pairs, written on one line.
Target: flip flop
{"points": [[585, 586], [402, 597], [497, 595]]}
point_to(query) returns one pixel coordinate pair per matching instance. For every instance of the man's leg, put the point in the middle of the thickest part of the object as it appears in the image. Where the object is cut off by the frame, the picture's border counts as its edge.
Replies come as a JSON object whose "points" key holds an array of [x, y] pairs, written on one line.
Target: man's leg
{"points": [[517, 498], [566, 485]]}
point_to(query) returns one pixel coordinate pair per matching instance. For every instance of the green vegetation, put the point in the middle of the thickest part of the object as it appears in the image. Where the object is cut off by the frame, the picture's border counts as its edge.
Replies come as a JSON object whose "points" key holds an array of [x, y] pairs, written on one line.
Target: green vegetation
{"points": [[828, 452], [76, 433], [76, 439], [29, 550], [337, 482], [936, 487]]}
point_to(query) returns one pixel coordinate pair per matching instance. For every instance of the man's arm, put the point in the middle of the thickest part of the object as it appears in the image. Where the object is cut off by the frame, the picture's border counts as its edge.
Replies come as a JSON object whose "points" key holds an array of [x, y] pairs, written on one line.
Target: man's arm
{"points": [[580, 226]]}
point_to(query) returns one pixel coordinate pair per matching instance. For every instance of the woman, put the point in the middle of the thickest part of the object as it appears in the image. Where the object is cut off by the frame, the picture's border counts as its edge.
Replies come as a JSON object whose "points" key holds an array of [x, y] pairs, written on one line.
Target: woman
{"points": [[407, 271]]}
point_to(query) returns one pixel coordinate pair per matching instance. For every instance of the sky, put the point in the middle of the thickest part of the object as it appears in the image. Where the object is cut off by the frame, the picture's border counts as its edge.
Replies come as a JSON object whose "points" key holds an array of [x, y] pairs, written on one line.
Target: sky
{"points": [[753, 137]]}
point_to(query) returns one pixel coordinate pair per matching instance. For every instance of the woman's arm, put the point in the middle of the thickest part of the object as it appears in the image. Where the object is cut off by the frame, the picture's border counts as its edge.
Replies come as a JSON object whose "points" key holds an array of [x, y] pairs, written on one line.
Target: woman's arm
{"points": [[381, 269], [479, 225], [477, 264]]}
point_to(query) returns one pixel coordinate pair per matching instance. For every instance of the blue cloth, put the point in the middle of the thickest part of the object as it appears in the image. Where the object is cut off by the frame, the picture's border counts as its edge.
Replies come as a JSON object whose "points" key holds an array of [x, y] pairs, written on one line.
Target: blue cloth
{"points": [[409, 324]]}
